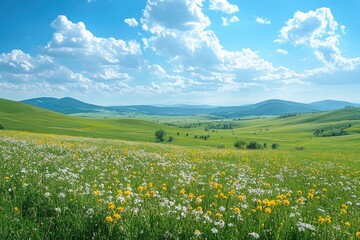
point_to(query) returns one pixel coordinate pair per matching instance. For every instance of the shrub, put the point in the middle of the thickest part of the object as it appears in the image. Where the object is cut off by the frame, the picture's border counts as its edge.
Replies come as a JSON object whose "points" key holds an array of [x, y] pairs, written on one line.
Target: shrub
{"points": [[159, 135], [254, 145], [240, 144], [275, 146], [1, 127], [170, 139]]}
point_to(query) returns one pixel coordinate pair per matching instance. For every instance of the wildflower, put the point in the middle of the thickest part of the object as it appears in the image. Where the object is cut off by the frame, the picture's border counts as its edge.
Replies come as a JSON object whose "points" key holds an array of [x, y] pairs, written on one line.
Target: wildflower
{"points": [[147, 195], [191, 195], [111, 205], [208, 213], [299, 192], [120, 209], [6, 178], [218, 215], [254, 235], [267, 210], [117, 216], [259, 208], [109, 219], [16, 210], [61, 195], [321, 220], [47, 194], [237, 210], [286, 202], [214, 230], [127, 192], [58, 210], [358, 234], [197, 232], [241, 197], [182, 191], [328, 219], [347, 224]]}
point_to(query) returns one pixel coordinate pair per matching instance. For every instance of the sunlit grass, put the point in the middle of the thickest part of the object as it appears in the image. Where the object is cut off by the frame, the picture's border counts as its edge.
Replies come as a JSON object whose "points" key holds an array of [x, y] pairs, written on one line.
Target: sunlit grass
{"points": [[57, 187]]}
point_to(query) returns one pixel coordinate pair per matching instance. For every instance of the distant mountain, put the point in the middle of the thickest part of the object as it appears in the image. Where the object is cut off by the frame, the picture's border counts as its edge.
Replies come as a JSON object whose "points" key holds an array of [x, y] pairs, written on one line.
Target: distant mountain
{"points": [[63, 105], [266, 108], [269, 107], [332, 104]]}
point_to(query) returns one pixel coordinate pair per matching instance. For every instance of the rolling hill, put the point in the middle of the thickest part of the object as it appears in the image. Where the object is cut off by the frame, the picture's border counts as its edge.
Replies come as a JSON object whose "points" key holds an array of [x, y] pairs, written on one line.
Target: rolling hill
{"points": [[289, 132], [266, 108]]}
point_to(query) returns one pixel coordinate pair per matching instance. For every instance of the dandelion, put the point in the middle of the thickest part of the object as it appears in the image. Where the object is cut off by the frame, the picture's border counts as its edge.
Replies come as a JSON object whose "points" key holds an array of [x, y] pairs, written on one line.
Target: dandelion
{"points": [[182, 191], [111, 205], [267, 210], [347, 224], [109, 219], [237, 210], [16, 210], [117, 216], [197, 233], [358, 234]]}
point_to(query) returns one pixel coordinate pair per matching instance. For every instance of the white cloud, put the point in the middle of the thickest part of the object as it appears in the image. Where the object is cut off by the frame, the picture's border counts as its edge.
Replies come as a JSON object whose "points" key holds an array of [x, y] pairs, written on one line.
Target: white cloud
{"points": [[73, 40], [223, 6], [318, 30], [226, 21], [181, 15], [282, 51], [262, 20], [131, 22]]}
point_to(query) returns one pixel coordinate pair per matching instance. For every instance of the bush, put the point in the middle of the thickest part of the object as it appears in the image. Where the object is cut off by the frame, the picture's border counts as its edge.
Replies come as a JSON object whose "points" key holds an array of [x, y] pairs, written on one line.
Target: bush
{"points": [[300, 148], [275, 146], [1, 127], [170, 139], [159, 135], [240, 144], [254, 145]]}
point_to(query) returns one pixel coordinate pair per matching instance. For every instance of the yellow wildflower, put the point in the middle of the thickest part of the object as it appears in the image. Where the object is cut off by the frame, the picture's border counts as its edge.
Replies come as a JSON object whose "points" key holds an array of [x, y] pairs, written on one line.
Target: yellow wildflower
{"points": [[117, 216], [347, 224], [267, 210], [109, 219]]}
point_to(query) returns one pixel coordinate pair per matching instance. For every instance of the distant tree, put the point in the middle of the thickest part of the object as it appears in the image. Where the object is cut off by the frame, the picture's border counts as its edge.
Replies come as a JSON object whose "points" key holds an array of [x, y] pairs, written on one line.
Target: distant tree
{"points": [[170, 139], [1, 127], [159, 135], [187, 134], [275, 146], [265, 145], [254, 145], [240, 144], [178, 133]]}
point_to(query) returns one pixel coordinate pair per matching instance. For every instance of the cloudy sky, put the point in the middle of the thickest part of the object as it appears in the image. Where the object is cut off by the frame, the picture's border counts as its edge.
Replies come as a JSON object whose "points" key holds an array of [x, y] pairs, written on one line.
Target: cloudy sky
{"points": [[216, 52]]}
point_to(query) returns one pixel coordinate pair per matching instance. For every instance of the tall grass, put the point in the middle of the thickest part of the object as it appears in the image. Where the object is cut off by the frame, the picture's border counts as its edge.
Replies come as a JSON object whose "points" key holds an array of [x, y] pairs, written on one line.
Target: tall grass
{"points": [[56, 187]]}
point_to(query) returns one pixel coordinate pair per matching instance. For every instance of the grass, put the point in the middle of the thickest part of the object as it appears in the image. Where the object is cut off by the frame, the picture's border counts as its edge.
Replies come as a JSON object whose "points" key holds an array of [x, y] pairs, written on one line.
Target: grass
{"points": [[290, 133], [61, 187]]}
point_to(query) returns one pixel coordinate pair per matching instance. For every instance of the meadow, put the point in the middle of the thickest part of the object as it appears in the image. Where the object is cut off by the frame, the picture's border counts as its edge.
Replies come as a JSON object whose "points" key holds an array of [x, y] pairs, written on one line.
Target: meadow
{"points": [[63, 187]]}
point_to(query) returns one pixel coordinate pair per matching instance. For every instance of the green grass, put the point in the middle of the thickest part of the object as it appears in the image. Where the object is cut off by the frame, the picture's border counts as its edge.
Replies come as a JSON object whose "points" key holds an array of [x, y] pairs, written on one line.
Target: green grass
{"points": [[60, 187], [290, 133]]}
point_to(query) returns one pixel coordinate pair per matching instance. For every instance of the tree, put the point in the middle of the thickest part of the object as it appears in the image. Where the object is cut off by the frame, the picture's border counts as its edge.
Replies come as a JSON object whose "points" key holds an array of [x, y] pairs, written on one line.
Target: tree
{"points": [[240, 144], [254, 145], [159, 135], [275, 146]]}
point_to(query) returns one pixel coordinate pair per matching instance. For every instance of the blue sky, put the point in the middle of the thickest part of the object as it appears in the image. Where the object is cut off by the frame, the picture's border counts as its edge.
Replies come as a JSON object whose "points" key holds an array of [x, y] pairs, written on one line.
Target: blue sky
{"points": [[216, 52]]}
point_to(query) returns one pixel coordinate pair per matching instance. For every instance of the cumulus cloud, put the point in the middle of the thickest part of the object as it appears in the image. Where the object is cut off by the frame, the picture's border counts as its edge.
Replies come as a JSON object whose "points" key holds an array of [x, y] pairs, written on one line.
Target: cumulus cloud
{"points": [[282, 51], [223, 6], [73, 40], [318, 30], [182, 15], [226, 21], [262, 20], [131, 22]]}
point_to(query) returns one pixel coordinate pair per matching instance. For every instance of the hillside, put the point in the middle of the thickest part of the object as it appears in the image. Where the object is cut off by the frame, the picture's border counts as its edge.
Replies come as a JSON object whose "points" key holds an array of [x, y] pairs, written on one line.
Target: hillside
{"points": [[289, 132]]}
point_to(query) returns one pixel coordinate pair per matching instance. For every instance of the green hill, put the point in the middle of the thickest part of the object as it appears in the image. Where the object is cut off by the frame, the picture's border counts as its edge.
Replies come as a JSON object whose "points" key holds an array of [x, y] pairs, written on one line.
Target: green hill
{"points": [[293, 131]]}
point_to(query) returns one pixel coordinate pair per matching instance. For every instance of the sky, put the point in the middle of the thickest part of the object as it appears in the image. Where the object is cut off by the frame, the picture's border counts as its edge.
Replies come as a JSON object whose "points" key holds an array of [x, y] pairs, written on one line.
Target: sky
{"points": [[214, 52]]}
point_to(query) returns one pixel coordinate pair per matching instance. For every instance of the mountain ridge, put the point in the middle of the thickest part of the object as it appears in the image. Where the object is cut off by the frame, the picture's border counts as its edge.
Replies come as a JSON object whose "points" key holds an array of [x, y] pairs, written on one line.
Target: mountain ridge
{"points": [[271, 107]]}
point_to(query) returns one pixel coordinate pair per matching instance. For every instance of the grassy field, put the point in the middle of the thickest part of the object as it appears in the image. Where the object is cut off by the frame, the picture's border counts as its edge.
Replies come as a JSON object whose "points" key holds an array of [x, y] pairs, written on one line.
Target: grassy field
{"points": [[290, 133], [61, 187]]}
